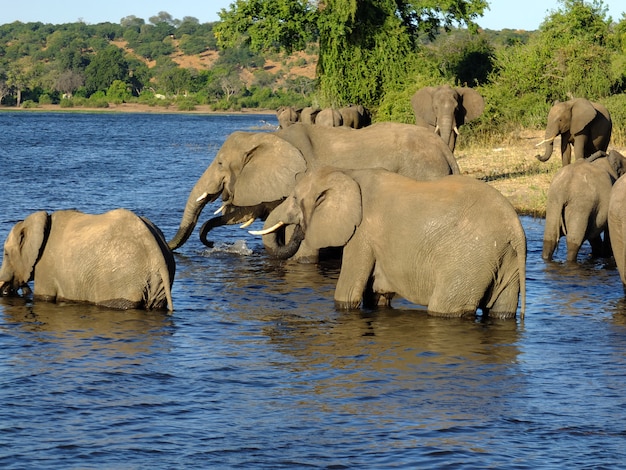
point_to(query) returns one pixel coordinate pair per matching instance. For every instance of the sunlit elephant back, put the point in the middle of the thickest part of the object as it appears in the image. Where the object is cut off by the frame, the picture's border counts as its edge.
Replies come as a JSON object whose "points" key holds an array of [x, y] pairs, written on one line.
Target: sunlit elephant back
{"points": [[444, 109], [253, 171]]}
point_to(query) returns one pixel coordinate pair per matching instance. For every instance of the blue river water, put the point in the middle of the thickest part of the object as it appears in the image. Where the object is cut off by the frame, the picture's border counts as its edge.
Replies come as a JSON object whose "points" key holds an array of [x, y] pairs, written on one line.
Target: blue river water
{"points": [[255, 368]]}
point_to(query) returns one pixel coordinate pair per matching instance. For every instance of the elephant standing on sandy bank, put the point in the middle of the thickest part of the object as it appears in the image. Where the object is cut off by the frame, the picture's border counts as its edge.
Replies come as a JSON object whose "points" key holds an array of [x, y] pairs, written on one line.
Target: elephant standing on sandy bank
{"points": [[455, 244], [444, 109], [254, 171], [582, 124], [578, 204], [355, 116], [116, 260]]}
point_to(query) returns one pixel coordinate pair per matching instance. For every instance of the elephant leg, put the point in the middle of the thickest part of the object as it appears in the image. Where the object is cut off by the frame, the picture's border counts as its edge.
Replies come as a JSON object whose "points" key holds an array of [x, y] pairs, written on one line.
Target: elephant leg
{"points": [[549, 246], [566, 153], [357, 265]]}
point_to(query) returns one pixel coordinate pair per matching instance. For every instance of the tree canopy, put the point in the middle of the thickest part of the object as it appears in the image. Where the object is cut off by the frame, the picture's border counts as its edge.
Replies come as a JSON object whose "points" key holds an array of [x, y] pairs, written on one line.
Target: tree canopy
{"points": [[363, 44]]}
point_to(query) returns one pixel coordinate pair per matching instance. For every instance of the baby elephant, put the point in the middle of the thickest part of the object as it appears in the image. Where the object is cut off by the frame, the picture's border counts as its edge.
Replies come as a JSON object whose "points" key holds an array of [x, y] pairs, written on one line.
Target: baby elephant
{"points": [[578, 204], [454, 244], [116, 260]]}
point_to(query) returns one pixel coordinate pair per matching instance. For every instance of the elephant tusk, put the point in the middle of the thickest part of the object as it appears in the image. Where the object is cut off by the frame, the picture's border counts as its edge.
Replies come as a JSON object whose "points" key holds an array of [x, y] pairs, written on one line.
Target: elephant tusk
{"points": [[202, 197], [456, 130], [248, 223], [222, 207], [267, 230], [544, 141]]}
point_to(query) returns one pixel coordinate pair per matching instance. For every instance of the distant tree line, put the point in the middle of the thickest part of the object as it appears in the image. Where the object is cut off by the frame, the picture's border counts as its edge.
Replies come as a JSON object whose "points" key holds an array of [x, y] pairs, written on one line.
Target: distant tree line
{"points": [[371, 52]]}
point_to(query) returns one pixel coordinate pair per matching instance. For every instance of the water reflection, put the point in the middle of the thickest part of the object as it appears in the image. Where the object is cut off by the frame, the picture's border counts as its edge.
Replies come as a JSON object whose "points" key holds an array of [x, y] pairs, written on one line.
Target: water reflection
{"points": [[78, 330]]}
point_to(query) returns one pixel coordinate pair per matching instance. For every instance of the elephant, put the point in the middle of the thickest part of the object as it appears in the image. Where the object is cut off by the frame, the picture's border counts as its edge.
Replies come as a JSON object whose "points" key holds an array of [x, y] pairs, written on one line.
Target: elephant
{"points": [[578, 203], [287, 115], [329, 117], [454, 244], [253, 171], [355, 116], [444, 109], [617, 226], [582, 124], [308, 114], [116, 260]]}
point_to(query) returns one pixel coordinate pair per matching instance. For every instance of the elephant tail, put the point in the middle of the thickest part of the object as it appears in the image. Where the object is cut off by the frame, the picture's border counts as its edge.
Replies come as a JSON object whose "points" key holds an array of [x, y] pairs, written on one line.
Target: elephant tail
{"points": [[158, 290]]}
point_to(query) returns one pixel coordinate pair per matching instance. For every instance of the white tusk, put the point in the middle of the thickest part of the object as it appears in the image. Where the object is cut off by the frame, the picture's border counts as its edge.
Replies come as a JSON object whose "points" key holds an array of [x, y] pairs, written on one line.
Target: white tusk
{"points": [[204, 195], [267, 230], [456, 130], [248, 223], [222, 207], [544, 141]]}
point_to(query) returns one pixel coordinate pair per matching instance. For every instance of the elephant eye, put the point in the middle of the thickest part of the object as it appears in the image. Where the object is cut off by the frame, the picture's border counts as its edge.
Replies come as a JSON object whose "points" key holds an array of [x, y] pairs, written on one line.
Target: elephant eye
{"points": [[320, 198]]}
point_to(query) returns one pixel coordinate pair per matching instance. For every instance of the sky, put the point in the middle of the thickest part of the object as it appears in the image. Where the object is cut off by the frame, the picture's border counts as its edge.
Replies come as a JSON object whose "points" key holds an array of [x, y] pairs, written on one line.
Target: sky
{"points": [[525, 14]]}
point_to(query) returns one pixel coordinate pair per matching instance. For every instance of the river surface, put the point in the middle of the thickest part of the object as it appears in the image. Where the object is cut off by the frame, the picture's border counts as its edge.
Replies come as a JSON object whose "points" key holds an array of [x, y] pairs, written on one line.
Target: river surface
{"points": [[255, 368]]}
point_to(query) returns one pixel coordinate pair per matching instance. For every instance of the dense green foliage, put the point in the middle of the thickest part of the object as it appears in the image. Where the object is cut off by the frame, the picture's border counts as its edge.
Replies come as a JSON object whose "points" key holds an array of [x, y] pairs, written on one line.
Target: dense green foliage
{"points": [[373, 52]]}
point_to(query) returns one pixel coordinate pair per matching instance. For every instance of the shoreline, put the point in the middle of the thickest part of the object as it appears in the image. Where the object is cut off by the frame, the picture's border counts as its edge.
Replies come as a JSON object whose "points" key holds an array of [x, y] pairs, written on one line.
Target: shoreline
{"points": [[135, 108]]}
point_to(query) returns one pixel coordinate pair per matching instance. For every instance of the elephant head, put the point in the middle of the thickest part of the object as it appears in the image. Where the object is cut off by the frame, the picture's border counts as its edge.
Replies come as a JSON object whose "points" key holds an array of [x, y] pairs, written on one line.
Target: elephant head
{"points": [[325, 211], [287, 115], [251, 169], [444, 109], [22, 249], [570, 119]]}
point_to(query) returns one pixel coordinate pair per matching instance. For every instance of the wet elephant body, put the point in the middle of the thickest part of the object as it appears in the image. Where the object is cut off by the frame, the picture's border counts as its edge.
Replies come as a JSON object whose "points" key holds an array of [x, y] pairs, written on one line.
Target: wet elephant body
{"points": [[577, 205], [255, 170], [454, 244], [115, 259]]}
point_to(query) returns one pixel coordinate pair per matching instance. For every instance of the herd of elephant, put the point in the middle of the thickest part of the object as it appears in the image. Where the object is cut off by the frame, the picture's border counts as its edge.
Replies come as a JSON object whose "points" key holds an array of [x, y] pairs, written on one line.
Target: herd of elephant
{"points": [[390, 194]]}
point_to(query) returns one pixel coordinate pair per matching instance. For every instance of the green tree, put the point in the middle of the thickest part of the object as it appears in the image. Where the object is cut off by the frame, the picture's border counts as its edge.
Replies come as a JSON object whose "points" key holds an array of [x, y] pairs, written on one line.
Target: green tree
{"points": [[107, 66], [363, 44]]}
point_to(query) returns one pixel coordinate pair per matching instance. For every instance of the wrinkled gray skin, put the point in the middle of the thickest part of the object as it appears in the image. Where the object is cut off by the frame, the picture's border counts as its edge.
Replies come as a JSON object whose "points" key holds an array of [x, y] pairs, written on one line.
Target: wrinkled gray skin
{"points": [[444, 109], [617, 226], [287, 115], [455, 244], [329, 117], [256, 170], [116, 260], [355, 116], [581, 123], [578, 203]]}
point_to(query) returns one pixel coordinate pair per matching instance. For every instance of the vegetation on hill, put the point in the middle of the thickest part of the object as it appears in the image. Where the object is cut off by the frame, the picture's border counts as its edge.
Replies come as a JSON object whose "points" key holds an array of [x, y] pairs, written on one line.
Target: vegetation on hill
{"points": [[377, 52]]}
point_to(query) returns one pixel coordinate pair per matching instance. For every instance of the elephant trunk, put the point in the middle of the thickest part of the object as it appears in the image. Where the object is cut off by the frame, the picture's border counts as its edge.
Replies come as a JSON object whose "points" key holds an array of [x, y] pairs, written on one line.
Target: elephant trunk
{"points": [[447, 131], [193, 208], [277, 246], [548, 151]]}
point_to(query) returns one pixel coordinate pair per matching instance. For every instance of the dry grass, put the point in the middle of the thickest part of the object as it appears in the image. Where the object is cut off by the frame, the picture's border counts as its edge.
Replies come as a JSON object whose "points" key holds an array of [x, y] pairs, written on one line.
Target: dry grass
{"points": [[511, 167]]}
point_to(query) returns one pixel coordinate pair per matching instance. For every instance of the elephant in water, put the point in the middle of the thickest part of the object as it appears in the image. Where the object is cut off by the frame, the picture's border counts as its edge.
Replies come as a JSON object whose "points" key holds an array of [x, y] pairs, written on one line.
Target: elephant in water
{"points": [[116, 260], [455, 244], [578, 203], [255, 171], [444, 109], [582, 124], [617, 226]]}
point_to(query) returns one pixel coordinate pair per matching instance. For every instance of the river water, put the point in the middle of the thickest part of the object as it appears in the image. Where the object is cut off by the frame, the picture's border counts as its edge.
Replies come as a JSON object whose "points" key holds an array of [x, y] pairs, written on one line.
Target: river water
{"points": [[255, 368]]}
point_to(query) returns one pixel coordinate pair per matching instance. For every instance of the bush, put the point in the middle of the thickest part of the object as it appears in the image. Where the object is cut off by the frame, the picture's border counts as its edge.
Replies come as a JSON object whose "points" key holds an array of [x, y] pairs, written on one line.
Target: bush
{"points": [[29, 104], [66, 103]]}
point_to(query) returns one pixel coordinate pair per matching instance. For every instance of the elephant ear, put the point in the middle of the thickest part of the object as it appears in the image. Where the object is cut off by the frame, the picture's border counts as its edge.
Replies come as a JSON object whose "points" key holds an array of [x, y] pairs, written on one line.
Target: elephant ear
{"points": [[269, 171], [617, 162], [25, 243], [473, 103], [422, 104], [332, 208], [583, 113]]}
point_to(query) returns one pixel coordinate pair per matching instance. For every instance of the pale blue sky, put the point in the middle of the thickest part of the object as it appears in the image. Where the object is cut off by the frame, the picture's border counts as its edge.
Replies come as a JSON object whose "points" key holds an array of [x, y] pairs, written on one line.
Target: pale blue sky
{"points": [[526, 14]]}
